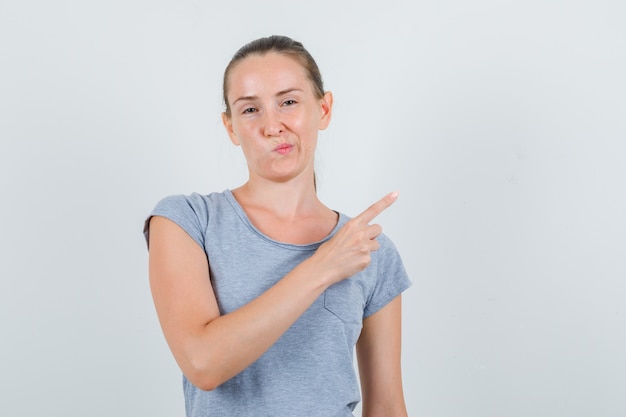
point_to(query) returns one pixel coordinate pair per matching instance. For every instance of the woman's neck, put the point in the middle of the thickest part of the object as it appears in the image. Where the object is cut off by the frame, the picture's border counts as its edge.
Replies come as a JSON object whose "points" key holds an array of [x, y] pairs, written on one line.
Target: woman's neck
{"points": [[285, 199], [288, 212]]}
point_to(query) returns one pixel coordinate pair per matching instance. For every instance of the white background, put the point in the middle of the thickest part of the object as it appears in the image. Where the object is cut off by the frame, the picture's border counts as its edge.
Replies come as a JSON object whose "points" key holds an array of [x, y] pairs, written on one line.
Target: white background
{"points": [[502, 124]]}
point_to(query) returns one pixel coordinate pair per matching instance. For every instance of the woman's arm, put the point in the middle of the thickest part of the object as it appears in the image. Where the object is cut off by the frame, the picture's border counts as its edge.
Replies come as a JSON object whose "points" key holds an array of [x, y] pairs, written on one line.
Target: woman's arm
{"points": [[210, 348], [378, 353]]}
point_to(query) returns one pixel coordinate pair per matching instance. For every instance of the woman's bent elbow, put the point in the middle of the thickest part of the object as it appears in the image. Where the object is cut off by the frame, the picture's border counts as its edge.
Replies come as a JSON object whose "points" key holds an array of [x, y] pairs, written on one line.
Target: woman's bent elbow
{"points": [[204, 374], [203, 380], [207, 385]]}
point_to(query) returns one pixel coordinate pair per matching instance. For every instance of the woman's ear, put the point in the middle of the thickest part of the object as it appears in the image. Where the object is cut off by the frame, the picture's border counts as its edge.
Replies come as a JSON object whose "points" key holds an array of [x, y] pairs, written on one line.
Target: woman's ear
{"points": [[228, 125], [327, 110]]}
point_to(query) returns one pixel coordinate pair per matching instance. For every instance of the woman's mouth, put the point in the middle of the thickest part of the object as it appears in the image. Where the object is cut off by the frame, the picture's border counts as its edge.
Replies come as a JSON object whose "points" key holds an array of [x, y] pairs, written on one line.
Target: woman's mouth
{"points": [[283, 148]]}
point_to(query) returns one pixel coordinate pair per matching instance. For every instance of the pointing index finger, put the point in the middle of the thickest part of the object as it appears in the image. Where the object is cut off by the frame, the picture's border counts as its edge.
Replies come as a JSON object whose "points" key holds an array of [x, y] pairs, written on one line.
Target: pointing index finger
{"points": [[375, 209]]}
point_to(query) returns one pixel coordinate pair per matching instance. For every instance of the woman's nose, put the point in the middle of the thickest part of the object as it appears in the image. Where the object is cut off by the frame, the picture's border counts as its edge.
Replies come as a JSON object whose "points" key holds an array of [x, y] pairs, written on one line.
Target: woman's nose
{"points": [[272, 125]]}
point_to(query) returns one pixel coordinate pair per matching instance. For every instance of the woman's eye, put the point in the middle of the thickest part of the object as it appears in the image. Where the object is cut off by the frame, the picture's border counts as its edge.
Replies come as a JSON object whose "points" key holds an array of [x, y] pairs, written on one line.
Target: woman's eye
{"points": [[249, 110], [289, 102]]}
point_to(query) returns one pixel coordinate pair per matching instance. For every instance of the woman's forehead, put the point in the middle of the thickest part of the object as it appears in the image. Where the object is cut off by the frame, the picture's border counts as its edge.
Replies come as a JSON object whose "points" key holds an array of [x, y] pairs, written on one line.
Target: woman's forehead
{"points": [[267, 73]]}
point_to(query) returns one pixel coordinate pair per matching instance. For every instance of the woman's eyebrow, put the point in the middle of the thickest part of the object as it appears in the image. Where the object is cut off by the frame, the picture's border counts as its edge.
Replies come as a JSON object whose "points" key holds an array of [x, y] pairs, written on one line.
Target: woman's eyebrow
{"points": [[287, 91], [280, 93], [245, 98]]}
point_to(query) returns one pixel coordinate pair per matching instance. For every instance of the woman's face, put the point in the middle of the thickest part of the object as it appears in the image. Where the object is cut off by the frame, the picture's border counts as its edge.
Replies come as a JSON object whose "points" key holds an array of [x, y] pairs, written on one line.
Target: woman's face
{"points": [[275, 116]]}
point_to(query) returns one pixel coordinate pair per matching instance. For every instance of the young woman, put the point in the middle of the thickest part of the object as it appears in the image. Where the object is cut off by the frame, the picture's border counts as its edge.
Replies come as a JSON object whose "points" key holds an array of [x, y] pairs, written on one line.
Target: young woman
{"points": [[262, 291]]}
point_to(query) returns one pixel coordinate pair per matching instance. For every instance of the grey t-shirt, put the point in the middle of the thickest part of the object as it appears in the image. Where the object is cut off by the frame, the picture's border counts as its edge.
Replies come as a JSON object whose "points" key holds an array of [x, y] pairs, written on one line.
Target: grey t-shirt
{"points": [[309, 371]]}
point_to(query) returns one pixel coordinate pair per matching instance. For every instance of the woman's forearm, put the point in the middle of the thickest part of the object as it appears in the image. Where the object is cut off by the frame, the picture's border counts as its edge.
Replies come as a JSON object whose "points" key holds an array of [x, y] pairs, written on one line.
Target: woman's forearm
{"points": [[228, 344]]}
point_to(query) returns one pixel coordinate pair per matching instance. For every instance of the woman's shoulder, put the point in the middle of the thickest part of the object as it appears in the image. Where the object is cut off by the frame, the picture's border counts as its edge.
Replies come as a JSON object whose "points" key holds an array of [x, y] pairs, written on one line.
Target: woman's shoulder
{"points": [[190, 211], [194, 201]]}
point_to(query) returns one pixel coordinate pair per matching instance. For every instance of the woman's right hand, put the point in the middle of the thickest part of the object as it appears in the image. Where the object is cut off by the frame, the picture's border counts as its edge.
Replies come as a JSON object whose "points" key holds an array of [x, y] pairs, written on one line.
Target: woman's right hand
{"points": [[349, 250]]}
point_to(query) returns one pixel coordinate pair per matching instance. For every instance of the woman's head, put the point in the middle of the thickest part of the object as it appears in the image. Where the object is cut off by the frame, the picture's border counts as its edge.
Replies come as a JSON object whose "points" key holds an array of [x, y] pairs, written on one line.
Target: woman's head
{"points": [[275, 108], [281, 45]]}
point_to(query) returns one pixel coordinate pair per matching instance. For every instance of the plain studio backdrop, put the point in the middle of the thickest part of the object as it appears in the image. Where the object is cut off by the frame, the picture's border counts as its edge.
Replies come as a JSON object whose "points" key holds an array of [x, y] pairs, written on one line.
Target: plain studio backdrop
{"points": [[501, 123]]}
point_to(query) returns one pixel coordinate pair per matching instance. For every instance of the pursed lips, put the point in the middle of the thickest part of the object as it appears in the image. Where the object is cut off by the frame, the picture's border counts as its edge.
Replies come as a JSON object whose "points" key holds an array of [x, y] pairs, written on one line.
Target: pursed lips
{"points": [[283, 148]]}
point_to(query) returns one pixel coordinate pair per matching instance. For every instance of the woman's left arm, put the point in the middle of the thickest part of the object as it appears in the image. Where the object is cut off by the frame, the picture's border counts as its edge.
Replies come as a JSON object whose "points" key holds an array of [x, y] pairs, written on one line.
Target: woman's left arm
{"points": [[378, 353]]}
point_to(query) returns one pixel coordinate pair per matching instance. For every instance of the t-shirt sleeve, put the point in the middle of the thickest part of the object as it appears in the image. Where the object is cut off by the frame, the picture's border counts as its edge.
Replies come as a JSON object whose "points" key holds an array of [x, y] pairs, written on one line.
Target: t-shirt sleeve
{"points": [[392, 278], [188, 212]]}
